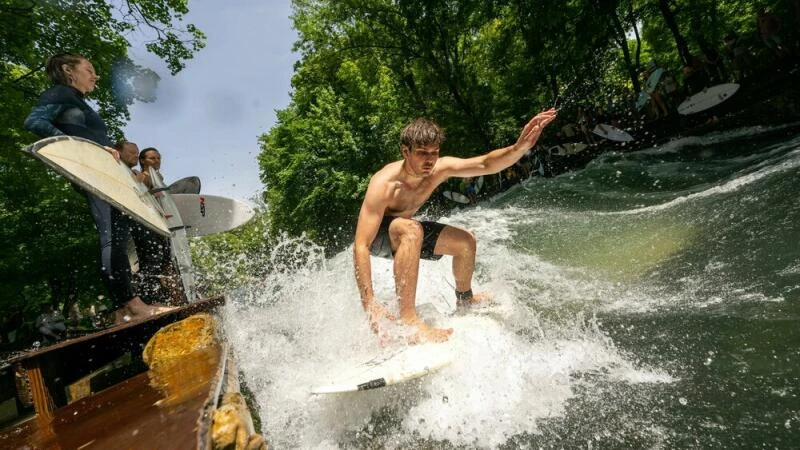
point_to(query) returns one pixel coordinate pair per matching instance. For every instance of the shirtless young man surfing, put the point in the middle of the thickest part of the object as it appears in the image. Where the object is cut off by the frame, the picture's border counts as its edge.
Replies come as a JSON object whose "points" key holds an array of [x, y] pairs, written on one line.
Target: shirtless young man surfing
{"points": [[386, 226]]}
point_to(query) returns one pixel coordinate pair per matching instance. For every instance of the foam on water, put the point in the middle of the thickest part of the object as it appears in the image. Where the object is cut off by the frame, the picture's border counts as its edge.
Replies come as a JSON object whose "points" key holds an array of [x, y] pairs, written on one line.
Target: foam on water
{"points": [[710, 139], [791, 161], [515, 365]]}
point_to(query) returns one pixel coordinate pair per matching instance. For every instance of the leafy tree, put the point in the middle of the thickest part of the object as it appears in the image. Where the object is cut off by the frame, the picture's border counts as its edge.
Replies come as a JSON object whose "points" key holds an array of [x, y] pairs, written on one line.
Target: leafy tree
{"points": [[676, 31], [369, 66], [479, 68], [50, 248]]}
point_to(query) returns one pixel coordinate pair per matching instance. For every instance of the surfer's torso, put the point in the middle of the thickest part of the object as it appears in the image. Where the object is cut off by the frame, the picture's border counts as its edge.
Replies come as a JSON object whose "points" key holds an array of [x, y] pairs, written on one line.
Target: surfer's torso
{"points": [[405, 193]]}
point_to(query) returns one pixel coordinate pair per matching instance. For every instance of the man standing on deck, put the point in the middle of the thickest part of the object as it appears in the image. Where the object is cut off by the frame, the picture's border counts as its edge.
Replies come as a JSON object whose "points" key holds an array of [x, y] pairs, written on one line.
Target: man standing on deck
{"points": [[152, 250], [386, 227]]}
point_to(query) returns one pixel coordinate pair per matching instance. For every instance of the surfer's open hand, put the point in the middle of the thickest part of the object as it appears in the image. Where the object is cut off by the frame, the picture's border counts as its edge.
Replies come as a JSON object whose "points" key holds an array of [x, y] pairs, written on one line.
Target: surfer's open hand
{"points": [[533, 129]]}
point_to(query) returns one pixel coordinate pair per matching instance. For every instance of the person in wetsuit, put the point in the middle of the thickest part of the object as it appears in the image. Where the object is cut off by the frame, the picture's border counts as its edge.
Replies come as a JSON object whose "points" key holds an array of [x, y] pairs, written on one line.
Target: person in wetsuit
{"points": [[62, 110], [386, 227]]}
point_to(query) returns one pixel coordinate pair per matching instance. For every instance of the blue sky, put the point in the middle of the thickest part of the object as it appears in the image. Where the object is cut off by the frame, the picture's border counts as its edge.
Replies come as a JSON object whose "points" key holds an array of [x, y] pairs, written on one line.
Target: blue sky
{"points": [[207, 119]]}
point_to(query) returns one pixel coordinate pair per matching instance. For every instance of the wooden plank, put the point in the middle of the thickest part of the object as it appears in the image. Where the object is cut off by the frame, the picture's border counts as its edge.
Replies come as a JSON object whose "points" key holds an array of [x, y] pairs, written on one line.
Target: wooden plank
{"points": [[55, 367], [132, 414], [171, 316], [42, 400]]}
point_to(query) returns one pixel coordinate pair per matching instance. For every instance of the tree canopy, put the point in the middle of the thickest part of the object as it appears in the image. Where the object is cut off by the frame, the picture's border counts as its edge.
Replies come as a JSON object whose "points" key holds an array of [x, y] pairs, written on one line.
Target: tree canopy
{"points": [[478, 68]]}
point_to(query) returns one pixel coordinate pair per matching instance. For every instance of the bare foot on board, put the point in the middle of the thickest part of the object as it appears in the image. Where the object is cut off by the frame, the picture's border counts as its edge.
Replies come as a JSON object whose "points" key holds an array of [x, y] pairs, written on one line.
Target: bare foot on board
{"points": [[377, 313], [425, 333]]}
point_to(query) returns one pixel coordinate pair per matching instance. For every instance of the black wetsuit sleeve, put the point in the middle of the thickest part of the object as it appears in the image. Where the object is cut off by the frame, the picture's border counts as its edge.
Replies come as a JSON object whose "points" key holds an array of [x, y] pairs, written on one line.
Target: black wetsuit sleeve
{"points": [[61, 110], [42, 118]]}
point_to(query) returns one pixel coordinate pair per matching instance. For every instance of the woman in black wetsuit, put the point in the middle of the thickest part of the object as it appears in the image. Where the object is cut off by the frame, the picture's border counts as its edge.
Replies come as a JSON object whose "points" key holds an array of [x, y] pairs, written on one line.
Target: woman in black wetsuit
{"points": [[62, 110]]}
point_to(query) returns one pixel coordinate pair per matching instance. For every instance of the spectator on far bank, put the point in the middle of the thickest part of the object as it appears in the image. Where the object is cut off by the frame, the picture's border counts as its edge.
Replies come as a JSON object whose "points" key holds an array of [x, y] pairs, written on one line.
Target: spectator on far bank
{"points": [[769, 27], [471, 190], [695, 79], [737, 52], [670, 89], [657, 103], [583, 123], [713, 63], [50, 324]]}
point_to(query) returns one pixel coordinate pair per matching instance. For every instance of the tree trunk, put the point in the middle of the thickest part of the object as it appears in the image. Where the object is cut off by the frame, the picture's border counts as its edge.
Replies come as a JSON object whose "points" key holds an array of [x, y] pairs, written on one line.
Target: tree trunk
{"points": [[672, 24], [632, 17], [622, 40]]}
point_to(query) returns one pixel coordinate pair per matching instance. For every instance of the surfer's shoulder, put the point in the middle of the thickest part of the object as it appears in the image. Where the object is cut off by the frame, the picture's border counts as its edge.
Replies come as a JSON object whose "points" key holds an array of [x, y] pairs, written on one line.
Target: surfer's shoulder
{"points": [[386, 176]]}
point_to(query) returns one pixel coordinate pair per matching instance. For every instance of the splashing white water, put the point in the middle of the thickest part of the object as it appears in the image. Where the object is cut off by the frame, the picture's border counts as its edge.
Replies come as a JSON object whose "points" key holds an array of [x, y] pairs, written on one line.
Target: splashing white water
{"points": [[514, 368]]}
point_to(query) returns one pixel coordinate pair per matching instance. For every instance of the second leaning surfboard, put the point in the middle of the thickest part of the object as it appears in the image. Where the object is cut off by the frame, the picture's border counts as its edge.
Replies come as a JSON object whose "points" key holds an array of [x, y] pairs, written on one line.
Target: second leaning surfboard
{"points": [[708, 98], [208, 214], [179, 244]]}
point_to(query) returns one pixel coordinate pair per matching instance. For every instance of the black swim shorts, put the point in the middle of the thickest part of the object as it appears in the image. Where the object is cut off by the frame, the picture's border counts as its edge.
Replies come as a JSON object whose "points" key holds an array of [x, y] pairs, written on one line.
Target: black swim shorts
{"points": [[382, 245]]}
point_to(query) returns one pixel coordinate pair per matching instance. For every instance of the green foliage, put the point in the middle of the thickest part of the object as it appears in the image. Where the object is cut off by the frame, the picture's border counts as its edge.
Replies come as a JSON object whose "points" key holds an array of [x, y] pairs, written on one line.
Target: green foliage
{"points": [[479, 68], [252, 259], [50, 247], [229, 260], [703, 22]]}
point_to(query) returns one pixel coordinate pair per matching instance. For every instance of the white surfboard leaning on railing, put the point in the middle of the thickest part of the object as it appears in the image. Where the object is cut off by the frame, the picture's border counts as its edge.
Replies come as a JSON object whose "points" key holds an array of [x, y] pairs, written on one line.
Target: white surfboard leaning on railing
{"points": [[179, 243], [707, 98], [208, 214], [568, 149], [612, 133]]}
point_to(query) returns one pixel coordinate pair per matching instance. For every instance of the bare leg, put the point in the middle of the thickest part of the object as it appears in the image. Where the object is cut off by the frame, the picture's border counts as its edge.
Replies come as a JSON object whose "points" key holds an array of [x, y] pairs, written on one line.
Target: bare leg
{"points": [[406, 239], [462, 246]]}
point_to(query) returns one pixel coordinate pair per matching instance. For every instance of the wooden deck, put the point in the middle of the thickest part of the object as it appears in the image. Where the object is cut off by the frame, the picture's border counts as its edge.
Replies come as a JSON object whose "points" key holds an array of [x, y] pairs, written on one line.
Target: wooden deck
{"points": [[149, 410]]}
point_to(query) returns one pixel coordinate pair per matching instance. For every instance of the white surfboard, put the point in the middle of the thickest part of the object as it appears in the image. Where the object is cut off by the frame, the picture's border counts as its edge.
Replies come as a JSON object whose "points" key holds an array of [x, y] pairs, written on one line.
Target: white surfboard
{"points": [[179, 243], [653, 80], [568, 149], [91, 167], [479, 184], [707, 98], [208, 214], [649, 87], [456, 197], [612, 133], [393, 366]]}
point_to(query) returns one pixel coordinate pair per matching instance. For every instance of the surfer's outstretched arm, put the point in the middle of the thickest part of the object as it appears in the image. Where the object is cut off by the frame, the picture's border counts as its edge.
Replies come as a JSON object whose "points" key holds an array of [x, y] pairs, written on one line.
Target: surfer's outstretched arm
{"points": [[497, 160]]}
